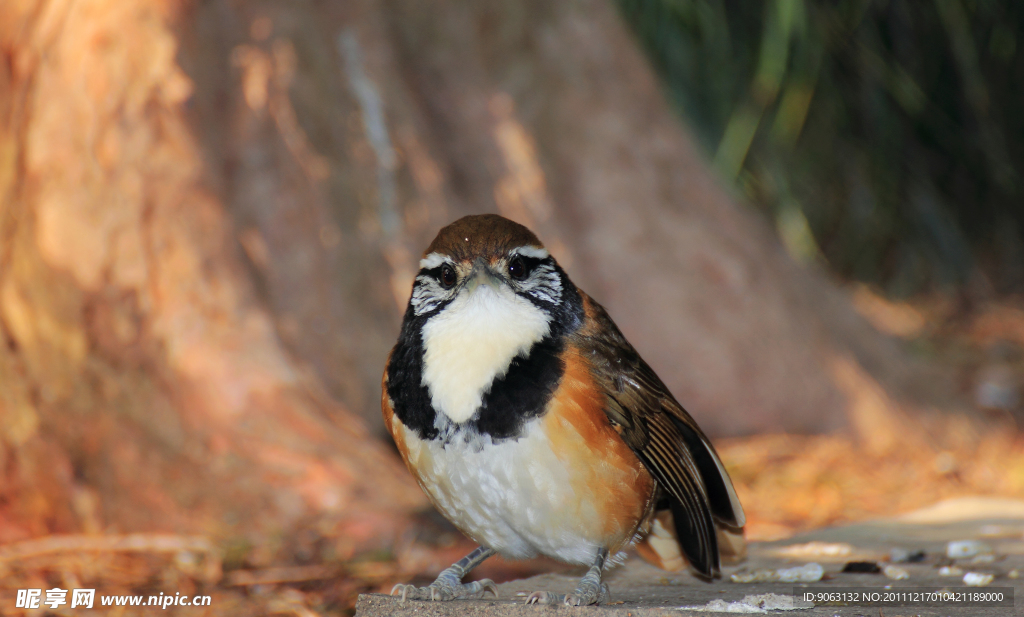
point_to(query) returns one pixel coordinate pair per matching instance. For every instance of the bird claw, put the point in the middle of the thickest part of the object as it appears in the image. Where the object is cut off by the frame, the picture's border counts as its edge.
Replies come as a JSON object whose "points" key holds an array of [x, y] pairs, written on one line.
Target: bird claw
{"points": [[443, 590], [484, 585], [476, 589], [405, 589], [544, 597]]}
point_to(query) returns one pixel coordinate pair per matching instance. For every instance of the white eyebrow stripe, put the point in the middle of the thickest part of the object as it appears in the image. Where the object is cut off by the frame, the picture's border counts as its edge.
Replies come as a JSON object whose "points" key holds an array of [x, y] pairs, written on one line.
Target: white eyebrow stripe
{"points": [[433, 260], [531, 251]]}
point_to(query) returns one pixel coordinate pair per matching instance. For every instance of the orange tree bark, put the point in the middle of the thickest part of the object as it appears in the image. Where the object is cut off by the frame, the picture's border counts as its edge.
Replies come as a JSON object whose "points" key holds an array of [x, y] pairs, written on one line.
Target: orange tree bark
{"points": [[210, 214], [143, 384]]}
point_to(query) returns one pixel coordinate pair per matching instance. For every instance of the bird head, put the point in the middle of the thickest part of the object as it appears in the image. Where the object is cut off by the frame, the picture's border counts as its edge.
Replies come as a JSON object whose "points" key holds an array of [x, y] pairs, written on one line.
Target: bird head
{"points": [[487, 291]]}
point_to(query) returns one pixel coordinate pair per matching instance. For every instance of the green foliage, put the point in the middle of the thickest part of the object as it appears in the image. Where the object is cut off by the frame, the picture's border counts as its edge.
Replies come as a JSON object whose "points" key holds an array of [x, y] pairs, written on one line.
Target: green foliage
{"points": [[884, 137]]}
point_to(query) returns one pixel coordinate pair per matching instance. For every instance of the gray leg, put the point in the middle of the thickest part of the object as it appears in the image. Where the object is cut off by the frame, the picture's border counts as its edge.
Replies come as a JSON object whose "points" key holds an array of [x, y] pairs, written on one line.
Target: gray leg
{"points": [[590, 589], [448, 585]]}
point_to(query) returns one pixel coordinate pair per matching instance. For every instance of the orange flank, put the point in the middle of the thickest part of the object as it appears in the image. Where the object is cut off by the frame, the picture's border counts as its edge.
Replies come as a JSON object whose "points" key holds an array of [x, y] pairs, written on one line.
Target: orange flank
{"points": [[606, 475]]}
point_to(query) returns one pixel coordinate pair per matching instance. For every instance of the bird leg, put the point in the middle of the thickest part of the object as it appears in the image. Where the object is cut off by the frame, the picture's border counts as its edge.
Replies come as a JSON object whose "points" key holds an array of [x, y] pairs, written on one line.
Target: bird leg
{"points": [[590, 589], [448, 585]]}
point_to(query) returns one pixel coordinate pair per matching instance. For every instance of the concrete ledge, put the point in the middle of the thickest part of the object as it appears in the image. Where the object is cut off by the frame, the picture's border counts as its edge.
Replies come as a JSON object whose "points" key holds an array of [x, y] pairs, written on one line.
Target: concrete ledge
{"points": [[640, 590]]}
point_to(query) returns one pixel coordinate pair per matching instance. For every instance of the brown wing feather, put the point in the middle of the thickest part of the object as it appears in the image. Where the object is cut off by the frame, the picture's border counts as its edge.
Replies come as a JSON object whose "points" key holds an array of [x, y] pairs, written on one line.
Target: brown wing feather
{"points": [[666, 440]]}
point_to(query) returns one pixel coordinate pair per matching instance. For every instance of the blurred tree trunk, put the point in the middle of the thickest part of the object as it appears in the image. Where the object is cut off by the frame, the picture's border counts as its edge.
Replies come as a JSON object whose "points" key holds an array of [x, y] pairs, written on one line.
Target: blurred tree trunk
{"points": [[210, 214], [143, 384], [346, 134]]}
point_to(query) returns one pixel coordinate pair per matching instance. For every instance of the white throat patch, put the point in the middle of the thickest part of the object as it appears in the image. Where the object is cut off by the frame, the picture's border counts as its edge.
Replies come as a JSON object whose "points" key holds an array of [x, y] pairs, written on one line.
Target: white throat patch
{"points": [[472, 342]]}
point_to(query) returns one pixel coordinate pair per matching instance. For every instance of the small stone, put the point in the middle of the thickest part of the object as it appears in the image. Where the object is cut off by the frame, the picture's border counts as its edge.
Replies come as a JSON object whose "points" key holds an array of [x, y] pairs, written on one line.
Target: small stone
{"points": [[896, 573], [861, 567], [978, 579], [808, 573], [816, 549], [898, 555], [962, 549], [950, 571], [902, 555]]}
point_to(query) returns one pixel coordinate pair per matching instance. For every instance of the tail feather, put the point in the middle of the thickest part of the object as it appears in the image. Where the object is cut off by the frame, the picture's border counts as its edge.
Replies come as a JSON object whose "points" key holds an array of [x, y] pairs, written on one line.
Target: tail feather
{"points": [[661, 548], [674, 539], [725, 505], [701, 552]]}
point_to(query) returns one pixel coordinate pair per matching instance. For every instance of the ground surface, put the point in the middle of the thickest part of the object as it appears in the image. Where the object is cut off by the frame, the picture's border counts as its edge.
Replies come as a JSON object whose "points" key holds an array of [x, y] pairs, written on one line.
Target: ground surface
{"points": [[639, 590]]}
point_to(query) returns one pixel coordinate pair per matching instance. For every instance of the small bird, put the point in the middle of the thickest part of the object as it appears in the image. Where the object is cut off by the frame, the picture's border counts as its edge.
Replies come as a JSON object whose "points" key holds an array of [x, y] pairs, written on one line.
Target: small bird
{"points": [[535, 427]]}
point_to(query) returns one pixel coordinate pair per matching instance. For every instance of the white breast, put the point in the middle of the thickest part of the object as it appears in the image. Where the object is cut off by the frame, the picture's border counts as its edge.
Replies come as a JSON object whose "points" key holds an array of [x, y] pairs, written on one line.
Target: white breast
{"points": [[472, 342], [514, 496]]}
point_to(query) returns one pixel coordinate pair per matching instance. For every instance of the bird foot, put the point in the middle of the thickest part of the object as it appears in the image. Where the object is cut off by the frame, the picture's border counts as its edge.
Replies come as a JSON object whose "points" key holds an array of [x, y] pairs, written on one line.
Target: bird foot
{"points": [[590, 589], [588, 592], [448, 586]]}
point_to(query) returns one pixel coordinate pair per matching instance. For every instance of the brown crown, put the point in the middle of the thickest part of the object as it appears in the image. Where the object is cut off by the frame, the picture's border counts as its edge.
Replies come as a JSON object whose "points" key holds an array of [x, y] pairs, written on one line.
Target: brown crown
{"points": [[481, 235]]}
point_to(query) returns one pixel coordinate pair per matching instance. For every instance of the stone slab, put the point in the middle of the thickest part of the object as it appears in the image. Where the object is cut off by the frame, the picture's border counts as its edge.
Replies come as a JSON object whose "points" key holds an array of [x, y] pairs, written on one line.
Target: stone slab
{"points": [[641, 590]]}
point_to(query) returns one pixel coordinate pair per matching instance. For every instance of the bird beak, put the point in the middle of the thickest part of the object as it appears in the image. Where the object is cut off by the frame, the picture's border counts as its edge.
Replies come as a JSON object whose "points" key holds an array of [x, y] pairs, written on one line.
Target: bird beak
{"points": [[482, 275]]}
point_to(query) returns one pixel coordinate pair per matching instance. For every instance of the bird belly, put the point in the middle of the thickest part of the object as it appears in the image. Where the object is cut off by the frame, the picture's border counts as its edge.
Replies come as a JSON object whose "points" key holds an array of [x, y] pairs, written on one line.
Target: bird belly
{"points": [[564, 488]]}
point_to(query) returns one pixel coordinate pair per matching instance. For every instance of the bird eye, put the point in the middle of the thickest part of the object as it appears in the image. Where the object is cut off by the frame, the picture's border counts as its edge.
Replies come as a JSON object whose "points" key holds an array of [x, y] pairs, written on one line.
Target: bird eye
{"points": [[517, 269], [447, 276]]}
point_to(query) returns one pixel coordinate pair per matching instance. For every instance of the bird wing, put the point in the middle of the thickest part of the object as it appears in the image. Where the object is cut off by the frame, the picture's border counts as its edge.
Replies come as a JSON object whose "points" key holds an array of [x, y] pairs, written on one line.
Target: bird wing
{"points": [[666, 440]]}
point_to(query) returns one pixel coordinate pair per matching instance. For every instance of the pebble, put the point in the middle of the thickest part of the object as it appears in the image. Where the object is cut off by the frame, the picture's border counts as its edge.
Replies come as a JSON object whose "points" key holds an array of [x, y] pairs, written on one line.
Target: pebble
{"points": [[977, 579], [962, 549], [807, 573], [817, 549], [902, 555], [896, 573]]}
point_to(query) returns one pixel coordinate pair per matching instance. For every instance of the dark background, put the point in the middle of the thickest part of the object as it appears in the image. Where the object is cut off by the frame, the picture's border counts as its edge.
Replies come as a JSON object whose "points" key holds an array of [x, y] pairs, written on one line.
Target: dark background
{"points": [[891, 128]]}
